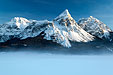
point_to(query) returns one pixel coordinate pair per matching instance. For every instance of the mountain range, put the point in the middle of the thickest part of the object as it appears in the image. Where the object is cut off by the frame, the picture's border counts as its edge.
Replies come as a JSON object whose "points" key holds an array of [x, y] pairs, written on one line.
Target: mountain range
{"points": [[63, 30]]}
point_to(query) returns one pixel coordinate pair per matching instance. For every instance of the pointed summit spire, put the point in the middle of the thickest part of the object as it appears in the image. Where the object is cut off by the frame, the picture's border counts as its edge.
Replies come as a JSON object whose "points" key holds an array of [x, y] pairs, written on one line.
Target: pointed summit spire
{"points": [[91, 16], [64, 14]]}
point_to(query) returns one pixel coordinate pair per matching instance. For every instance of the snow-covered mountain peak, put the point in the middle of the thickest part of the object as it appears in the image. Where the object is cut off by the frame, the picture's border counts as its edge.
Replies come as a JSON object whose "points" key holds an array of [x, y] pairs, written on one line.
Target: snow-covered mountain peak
{"points": [[91, 16], [61, 30], [20, 22], [94, 19], [95, 27], [64, 15], [65, 20], [70, 29], [19, 19]]}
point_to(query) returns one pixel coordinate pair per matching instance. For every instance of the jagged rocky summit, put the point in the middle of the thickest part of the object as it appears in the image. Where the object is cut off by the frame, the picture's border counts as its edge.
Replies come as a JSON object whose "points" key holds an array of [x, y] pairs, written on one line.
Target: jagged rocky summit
{"points": [[62, 30]]}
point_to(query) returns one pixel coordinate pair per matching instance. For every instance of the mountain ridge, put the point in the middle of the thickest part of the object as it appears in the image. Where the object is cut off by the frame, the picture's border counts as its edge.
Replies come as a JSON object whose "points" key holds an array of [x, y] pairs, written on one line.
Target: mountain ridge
{"points": [[61, 30]]}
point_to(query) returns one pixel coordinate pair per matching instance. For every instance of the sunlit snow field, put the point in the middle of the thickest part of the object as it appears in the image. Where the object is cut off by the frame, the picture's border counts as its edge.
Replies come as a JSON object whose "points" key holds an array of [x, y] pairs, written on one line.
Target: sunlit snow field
{"points": [[34, 63]]}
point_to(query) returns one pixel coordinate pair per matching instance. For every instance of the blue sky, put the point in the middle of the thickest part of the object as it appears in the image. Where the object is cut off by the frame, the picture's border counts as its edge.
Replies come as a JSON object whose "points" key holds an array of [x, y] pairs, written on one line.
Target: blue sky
{"points": [[49, 9]]}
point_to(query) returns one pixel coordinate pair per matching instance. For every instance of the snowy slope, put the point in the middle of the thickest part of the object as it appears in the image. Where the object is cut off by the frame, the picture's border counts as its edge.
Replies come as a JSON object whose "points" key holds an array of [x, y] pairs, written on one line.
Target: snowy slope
{"points": [[53, 33], [34, 29], [50, 32], [95, 27]]}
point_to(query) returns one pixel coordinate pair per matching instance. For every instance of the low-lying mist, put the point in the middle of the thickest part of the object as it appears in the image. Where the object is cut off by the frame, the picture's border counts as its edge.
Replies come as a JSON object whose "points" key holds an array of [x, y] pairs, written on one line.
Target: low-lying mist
{"points": [[35, 63]]}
